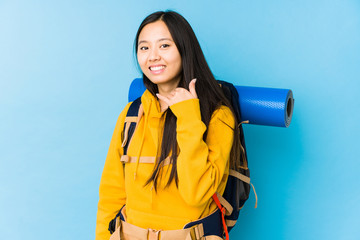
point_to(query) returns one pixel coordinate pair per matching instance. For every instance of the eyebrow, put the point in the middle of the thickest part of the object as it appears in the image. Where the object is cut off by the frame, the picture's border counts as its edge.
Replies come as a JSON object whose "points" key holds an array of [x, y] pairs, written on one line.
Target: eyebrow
{"points": [[161, 39]]}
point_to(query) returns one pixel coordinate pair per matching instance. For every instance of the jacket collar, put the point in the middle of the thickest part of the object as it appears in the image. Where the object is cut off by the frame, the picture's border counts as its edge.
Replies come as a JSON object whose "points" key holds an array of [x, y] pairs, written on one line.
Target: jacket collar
{"points": [[151, 105]]}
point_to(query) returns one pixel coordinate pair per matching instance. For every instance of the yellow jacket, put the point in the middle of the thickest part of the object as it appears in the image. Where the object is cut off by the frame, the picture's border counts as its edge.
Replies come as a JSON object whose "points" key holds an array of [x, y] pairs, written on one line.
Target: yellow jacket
{"points": [[202, 168]]}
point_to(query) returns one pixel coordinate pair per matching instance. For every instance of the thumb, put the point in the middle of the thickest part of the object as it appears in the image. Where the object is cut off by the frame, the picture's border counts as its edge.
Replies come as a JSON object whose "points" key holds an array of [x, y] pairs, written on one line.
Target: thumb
{"points": [[192, 88]]}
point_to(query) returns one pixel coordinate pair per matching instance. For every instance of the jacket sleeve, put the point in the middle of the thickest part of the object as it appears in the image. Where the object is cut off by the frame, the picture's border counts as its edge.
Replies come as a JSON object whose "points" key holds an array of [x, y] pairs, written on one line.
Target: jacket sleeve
{"points": [[201, 165], [112, 187]]}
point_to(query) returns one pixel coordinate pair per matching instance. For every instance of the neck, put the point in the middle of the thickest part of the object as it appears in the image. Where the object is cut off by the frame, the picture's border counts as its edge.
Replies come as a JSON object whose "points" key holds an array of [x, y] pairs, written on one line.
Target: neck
{"points": [[166, 89]]}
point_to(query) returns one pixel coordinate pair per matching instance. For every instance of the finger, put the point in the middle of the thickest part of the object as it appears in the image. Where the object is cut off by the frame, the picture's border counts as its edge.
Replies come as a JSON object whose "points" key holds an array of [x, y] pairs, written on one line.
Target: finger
{"points": [[172, 93], [165, 99], [177, 90], [192, 88]]}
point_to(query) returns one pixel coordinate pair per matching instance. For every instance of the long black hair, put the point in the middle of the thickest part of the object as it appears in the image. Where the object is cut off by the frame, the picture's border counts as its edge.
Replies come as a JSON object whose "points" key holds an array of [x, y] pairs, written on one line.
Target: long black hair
{"points": [[208, 90]]}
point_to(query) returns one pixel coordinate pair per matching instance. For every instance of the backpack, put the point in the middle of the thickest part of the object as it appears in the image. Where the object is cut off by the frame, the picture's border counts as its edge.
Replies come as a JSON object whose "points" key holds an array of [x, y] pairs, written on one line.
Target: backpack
{"points": [[237, 188], [238, 184]]}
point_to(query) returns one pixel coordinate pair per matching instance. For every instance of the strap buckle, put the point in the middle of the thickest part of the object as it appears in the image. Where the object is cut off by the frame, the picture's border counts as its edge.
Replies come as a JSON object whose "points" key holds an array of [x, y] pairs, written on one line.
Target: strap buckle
{"points": [[153, 234]]}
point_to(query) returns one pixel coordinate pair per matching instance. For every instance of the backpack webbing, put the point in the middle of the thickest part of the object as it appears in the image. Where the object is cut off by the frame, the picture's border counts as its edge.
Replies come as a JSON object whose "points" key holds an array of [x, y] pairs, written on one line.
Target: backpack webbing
{"points": [[132, 112]]}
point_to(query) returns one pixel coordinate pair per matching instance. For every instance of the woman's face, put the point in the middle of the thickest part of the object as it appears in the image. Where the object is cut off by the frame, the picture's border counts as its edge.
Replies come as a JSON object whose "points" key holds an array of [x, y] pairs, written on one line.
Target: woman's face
{"points": [[158, 56]]}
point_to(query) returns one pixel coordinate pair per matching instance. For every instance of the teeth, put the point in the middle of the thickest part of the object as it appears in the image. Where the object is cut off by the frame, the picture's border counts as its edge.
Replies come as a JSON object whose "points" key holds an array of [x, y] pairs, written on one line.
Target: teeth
{"points": [[157, 68]]}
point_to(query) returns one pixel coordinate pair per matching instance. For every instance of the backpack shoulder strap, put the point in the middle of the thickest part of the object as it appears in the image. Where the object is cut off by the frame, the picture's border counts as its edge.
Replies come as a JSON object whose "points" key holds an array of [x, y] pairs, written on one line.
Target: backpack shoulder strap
{"points": [[130, 123]]}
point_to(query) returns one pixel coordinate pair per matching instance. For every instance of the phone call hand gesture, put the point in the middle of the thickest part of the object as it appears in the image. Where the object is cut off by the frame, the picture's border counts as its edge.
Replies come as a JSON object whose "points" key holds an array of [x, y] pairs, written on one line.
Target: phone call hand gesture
{"points": [[179, 94]]}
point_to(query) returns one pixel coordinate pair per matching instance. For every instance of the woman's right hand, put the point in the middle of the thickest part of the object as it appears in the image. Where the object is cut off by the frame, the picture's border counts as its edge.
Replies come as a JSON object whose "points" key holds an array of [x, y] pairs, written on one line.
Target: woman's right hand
{"points": [[179, 94]]}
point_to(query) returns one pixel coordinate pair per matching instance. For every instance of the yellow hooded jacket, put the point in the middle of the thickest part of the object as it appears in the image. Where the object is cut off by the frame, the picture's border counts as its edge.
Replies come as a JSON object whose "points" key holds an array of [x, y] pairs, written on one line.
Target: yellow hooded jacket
{"points": [[202, 168]]}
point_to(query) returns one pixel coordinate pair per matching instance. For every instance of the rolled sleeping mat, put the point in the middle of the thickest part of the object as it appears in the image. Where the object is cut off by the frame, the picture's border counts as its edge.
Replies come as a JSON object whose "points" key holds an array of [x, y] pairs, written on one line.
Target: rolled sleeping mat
{"points": [[137, 88], [258, 105], [266, 106]]}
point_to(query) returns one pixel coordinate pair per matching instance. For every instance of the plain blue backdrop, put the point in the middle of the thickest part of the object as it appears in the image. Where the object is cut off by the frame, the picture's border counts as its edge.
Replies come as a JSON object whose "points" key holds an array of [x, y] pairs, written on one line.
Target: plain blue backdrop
{"points": [[65, 70]]}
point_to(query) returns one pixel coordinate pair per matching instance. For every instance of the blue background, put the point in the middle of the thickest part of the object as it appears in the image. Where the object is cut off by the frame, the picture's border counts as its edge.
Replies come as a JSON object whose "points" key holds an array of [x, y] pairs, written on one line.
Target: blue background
{"points": [[65, 69]]}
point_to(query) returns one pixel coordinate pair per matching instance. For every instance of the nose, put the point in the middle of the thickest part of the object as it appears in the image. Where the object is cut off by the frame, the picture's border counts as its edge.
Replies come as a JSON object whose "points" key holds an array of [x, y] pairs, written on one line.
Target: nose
{"points": [[154, 55]]}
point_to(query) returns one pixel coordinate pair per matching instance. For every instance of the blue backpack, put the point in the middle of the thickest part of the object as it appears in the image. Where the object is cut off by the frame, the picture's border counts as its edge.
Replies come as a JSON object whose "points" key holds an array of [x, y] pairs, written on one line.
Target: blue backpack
{"points": [[238, 184]]}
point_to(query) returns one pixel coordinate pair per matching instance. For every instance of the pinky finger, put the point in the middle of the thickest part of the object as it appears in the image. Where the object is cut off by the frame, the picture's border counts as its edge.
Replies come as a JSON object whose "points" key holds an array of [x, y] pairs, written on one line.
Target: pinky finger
{"points": [[165, 99]]}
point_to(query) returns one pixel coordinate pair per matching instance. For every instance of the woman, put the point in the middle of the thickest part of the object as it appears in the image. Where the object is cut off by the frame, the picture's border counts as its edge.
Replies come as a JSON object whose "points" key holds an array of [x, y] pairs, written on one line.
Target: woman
{"points": [[185, 125]]}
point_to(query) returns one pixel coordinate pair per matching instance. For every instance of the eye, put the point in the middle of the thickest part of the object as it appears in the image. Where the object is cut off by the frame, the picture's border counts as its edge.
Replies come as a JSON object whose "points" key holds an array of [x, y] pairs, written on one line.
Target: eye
{"points": [[164, 45], [143, 48]]}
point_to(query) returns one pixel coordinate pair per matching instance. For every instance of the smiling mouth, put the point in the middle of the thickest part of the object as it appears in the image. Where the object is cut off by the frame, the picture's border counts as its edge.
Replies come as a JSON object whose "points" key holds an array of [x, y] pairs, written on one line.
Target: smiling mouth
{"points": [[156, 68]]}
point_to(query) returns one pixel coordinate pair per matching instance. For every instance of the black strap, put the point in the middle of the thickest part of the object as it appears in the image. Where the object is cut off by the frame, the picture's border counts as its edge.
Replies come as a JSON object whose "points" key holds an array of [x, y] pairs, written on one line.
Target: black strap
{"points": [[212, 224], [132, 112]]}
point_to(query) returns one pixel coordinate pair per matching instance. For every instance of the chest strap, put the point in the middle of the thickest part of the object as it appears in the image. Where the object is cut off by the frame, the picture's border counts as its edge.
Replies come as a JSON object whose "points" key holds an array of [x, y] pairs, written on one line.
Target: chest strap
{"points": [[129, 159]]}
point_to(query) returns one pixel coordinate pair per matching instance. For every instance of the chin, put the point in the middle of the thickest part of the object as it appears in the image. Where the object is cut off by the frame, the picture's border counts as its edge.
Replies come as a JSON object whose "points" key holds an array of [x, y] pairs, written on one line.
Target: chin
{"points": [[158, 79]]}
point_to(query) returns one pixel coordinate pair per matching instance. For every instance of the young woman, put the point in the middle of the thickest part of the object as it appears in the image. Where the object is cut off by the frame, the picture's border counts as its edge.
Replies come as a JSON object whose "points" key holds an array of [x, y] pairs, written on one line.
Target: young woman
{"points": [[183, 144]]}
